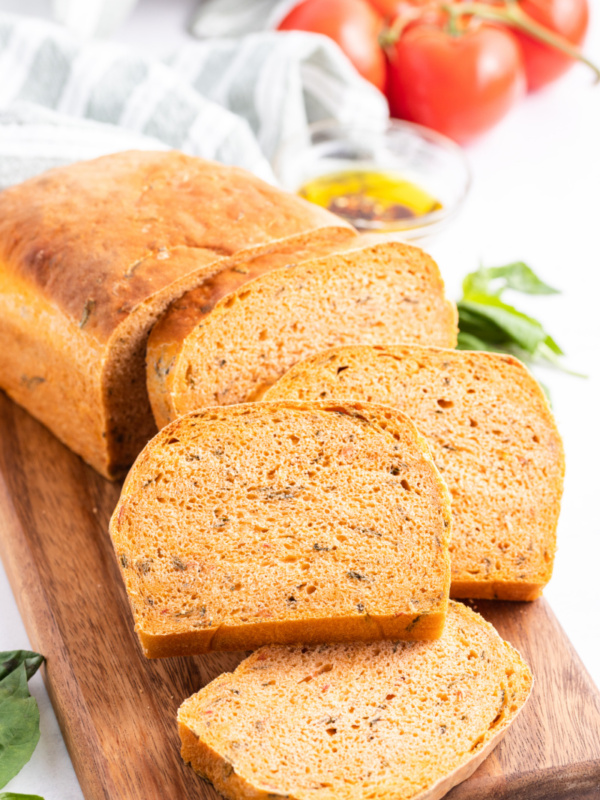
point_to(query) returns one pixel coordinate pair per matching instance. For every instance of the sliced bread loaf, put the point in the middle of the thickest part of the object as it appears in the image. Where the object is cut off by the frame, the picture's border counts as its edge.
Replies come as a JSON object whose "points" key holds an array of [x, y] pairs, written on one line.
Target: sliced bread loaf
{"points": [[493, 439], [284, 522], [224, 345], [357, 721], [91, 254], [167, 346]]}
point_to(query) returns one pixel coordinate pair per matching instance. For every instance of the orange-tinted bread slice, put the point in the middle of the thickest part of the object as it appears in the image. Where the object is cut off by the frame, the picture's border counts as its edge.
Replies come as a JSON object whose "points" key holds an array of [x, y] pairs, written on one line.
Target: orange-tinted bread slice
{"points": [[228, 345], [357, 721], [493, 439], [284, 522]]}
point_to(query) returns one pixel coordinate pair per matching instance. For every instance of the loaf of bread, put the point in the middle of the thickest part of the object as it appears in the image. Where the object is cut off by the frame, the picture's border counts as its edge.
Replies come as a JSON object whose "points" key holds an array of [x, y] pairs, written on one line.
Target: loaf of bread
{"points": [[228, 341], [274, 523], [357, 721], [493, 439], [92, 254]]}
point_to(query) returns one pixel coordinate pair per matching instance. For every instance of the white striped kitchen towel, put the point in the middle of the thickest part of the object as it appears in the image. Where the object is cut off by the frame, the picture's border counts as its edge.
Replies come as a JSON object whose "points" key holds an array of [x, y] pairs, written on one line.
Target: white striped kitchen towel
{"points": [[236, 17], [232, 100]]}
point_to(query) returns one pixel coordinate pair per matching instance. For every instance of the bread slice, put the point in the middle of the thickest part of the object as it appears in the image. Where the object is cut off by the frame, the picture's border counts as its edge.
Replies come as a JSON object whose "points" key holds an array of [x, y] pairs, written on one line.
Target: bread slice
{"points": [[224, 345], [93, 253], [493, 439], [283, 522], [357, 721]]}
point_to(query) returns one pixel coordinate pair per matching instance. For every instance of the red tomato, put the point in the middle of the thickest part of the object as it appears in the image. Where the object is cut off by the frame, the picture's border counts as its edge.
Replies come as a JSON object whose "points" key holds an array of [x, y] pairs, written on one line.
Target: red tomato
{"points": [[569, 18], [390, 9], [461, 84], [353, 24]]}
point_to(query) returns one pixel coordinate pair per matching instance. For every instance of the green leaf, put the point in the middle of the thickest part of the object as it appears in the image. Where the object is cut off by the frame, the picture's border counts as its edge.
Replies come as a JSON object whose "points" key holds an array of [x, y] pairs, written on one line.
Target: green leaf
{"points": [[486, 322], [19, 723], [466, 341], [517, 327], [550, 343], [517, 276], [544, 352], [15, 796], [10, 660], [470, 321]]}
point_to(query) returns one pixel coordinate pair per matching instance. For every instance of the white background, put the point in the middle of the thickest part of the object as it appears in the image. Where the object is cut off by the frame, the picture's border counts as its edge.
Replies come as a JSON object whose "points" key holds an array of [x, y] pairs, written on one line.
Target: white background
{"points": [[535, 197]]}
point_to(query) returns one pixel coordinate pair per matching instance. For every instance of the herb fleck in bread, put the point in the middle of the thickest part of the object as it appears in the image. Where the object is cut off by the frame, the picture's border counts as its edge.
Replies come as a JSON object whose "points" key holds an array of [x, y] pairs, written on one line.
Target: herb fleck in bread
{"points": [[355, 721], [283, 522], [493, 438], [93, 253], [219, 348]]}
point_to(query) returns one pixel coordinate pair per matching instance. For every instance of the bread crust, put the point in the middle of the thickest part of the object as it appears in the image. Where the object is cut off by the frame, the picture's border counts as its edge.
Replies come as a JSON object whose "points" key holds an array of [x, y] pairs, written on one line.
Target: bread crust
{"points": [[235, 783], [182, 343], [367, 628], [171, 635], [92, 254]]}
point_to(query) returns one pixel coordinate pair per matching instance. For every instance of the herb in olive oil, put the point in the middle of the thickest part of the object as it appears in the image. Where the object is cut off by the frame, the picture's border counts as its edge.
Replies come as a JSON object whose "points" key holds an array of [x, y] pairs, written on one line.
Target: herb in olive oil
{"points": [[370, 198]]}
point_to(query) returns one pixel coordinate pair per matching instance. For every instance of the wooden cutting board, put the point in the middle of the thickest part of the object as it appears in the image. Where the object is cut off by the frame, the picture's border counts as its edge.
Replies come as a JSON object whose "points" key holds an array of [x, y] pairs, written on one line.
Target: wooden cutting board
{"points": [[117, 710]]}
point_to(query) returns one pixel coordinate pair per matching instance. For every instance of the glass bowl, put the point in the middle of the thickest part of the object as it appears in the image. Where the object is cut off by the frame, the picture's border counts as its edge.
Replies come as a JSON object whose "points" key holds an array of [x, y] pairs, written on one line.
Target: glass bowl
{"points": [[412, 152]]}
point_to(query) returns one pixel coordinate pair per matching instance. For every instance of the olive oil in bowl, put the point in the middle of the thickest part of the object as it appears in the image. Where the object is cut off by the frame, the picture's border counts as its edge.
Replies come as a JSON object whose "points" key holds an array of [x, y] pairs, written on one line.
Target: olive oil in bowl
{"points": [[371, 199]]}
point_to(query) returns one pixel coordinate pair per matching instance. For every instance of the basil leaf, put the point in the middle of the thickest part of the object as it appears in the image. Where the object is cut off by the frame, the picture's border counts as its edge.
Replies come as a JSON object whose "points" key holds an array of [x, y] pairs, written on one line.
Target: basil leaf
{"points": [[466, 341], [19, 723], [10, 660], [15, 796], [550, 343], [517, 276], [549, 355], [486, 322], [517, 327], [470, 321]]}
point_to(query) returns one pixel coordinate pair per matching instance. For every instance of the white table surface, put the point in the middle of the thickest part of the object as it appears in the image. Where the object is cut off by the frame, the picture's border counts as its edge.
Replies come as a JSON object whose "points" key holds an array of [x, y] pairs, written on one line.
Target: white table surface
{"points": [[535, 197]]}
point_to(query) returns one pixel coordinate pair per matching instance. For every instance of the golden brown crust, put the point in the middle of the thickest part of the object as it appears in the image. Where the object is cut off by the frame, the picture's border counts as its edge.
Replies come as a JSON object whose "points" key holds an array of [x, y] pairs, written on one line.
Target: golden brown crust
{"points": [[493, 437], [98, 237], [93, 253], [221, 536], [261, 731], [370, 290], [366, 628]]}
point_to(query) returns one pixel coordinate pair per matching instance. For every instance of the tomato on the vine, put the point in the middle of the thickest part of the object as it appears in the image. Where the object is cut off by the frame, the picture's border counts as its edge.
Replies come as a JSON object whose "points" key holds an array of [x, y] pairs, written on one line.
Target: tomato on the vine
{"points": [[391, 9], [569, 18], [353, 24], [456, 65], [459, 83]]}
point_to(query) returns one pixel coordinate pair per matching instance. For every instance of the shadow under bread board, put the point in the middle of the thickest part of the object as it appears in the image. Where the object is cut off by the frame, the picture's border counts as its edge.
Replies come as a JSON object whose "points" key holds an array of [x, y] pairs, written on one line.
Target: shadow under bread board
{"points": [[117, 710]]}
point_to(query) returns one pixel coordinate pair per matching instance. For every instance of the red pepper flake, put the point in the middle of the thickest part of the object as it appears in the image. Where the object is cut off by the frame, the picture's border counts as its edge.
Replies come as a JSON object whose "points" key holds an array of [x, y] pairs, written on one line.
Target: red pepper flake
{"points": [[165, 611], [324, 689]]}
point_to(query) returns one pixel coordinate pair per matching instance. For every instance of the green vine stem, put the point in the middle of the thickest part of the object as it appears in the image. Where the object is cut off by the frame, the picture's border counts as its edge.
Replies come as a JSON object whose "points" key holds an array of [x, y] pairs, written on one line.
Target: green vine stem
{"points": [[390, 34], [513, 16]]}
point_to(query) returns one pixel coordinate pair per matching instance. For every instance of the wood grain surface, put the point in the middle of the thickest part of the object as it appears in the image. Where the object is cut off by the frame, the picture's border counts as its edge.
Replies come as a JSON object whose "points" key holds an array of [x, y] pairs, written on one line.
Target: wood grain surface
{"points": [[117, 710]]}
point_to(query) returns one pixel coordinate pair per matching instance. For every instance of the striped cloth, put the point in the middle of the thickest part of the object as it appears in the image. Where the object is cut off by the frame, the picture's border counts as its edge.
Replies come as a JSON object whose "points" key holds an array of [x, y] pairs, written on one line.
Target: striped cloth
{"points": [[237, 17], [232, 100]]}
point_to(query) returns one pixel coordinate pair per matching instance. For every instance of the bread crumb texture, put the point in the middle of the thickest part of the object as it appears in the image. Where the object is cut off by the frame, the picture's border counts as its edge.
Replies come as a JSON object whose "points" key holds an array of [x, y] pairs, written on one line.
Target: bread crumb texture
{"points": [[284, 522], [365, 720], [493, 439], [369, 292]]}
